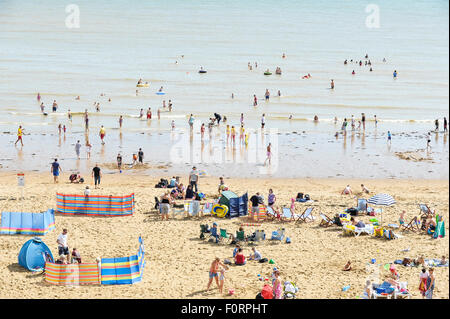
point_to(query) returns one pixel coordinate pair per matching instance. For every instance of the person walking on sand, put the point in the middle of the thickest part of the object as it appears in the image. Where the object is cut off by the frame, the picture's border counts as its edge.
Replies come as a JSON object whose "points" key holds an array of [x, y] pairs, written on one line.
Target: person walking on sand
{"points": [[213, 272], [436, 125], [141, 156], [389, 135], [269, 154], [191, 122], [263, 120], [363, 120], [119, 162], [102, 134], [38, 97], [19, 135], [202, 130], [430, 284], [222, 278], [332, 84], [255, 100], [55, 170], [78, 148], [63, 248], [120, 121], [96, 174], [193, 178], [88, 149], [233, 135]]}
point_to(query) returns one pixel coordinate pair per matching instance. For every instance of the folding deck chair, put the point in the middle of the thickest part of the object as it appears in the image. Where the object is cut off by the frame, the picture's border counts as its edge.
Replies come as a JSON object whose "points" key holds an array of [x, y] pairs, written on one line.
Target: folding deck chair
{"points": [[240, 236], [278, 235], [362, 205], [306, 216], [286, 214], [425, 211], [413, 225], [224, 237], [271, 214], [326, 221]]}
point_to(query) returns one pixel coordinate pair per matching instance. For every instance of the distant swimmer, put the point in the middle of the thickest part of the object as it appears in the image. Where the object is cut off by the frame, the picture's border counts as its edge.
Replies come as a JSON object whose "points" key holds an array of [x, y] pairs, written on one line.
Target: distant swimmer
{"points": [[102, 134], [363, 120], [269, 154], [218, 118], [232, 95], [263, 120], [316, 118], [160, 89], [120, 121], [170, 105], [141, 113], [42, 107], [353, 72], [173, 125], [345, 62], [54, 106], [164, 103], [249, 66], [19, 135], [429, 141], [140, 81], [445, 125], [109, 100], [332, 84], [77, 98], [395, 74], [255, 100], [360, 63], [176, 62], [384, 59], [256, 64], [278, 70], [279, 93], [149, 114], [242, 118], [367, 56], [283, 56], [436, 125], [307, 76], [389, 135], [290, 117], [38, 97], [159, 114], [371, 70], [376, 121], [335, 120], [59, 128]]}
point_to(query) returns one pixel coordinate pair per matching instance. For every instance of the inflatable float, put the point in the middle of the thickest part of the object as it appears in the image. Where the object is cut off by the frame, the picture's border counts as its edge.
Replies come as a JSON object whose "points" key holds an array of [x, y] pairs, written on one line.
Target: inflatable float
{"points": [[143, 85], [220, 210], [160, 93], [202, 71], [267, 73]]}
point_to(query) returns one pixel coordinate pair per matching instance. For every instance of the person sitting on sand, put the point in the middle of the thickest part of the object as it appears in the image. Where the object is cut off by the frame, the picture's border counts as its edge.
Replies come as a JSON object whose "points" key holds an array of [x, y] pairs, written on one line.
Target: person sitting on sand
{"points": [[213, 272], [337, 220], [87, 191], [443, 261], [61, 260], [347, 266], [189, 192], [76, 257], [221, 185], [239, 259], [256, 255], [364, 189], [235, 250], [119, 161], [355, 223], [180, 191], [401, 219], [172, 182], [214, 232], [347, 191]]}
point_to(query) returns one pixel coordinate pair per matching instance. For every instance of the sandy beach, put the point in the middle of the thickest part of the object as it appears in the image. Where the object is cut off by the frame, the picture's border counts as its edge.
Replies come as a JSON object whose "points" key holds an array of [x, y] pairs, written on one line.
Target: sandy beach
{"points": [[178, 261]]}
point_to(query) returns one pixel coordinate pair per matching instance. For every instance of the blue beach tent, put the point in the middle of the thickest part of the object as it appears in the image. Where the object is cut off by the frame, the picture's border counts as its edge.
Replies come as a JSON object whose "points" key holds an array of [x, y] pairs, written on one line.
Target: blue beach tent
{"points": [[32, 254]]}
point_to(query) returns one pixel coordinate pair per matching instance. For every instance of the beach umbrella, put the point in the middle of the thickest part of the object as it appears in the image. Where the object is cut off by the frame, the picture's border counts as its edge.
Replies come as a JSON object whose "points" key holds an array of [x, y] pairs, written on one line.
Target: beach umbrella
{"points": [[382, 200]]}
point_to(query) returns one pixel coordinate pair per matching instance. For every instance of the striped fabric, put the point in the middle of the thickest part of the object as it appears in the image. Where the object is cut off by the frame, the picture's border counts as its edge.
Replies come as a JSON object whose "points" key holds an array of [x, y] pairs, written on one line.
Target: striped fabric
{"points": [[27, 223], [261, 214], [124, 270], [95, 205], [382, 199], [72, 274]]}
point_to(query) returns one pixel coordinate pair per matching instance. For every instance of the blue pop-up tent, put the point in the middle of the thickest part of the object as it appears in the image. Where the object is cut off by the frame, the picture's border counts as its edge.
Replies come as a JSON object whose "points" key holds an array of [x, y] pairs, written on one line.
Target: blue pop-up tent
{"points": [[33, 254]]}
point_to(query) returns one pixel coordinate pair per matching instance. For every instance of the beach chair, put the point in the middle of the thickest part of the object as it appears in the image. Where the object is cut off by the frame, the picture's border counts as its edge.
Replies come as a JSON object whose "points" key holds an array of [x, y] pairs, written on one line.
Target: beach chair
{"points": [[361, 205], [306, 216], [213, 233], [368, 229], [203, 230], [403, 293], [272, 214], [286, 214], [207, 209], [413, 225], [278, 235], [178, 211], [224, 237], [260, 235], [240, 236], [425, 211], [325, 221], [383, 291]]}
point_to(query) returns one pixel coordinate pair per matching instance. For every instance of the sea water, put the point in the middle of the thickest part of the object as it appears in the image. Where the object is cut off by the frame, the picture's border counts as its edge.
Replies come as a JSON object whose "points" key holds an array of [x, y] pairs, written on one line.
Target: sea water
{"points": [[167, 42]]}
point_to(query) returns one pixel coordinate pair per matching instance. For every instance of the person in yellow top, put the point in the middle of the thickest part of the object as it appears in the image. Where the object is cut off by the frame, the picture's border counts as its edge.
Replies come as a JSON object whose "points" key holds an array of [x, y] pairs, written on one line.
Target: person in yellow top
{"points": [[228, 133], [19, 135], [246, 139], [102, 134], [233, 135], [241, 136]]}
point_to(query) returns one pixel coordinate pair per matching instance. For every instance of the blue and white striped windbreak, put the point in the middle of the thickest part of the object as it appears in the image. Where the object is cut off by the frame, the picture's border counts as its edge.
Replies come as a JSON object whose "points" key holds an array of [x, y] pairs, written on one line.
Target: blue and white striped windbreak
{"points": [[381, 199]]}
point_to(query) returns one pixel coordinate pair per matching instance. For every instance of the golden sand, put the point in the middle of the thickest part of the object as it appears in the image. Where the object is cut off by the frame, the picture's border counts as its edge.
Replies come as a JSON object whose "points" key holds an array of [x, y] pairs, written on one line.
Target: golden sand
{"points": [[178, 261]]}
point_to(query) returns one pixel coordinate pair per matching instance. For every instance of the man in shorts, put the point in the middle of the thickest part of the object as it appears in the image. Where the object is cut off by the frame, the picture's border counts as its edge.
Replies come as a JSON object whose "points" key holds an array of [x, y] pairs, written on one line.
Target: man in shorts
{"points": [[96, 174], [78, 148], [255, 199], [19, 135], [193, 178], [56, 169], [141, 156], [63, 248]]}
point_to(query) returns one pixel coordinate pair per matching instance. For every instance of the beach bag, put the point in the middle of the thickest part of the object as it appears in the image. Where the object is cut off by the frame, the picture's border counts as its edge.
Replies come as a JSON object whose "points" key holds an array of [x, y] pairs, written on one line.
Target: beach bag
{"points": [[267, 292], [263, 260], [259, 296], [288, 240]]}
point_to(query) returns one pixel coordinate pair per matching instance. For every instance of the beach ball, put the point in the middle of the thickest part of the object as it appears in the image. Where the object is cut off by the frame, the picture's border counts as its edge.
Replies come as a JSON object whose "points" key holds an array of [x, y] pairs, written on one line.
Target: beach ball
{"points": [[373, 260], [231, 292]]}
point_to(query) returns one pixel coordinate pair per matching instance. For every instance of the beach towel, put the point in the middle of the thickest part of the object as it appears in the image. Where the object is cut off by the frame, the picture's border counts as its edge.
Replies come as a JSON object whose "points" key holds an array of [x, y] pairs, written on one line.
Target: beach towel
{"points": [[439, 232]]}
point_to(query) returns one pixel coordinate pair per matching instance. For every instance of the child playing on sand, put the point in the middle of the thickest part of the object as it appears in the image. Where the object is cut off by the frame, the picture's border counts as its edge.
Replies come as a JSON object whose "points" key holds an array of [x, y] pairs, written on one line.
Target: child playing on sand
{"points": [[76, 257], [401, 219], [347, 266], [213, 272], [222, 278]]}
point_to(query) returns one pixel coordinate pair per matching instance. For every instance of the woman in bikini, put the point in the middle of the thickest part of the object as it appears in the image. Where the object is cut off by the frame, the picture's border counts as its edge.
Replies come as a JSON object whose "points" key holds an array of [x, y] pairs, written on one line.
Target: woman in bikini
{"points": [[269, 154], [233, 135], [213, 272], [228, 133]]}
